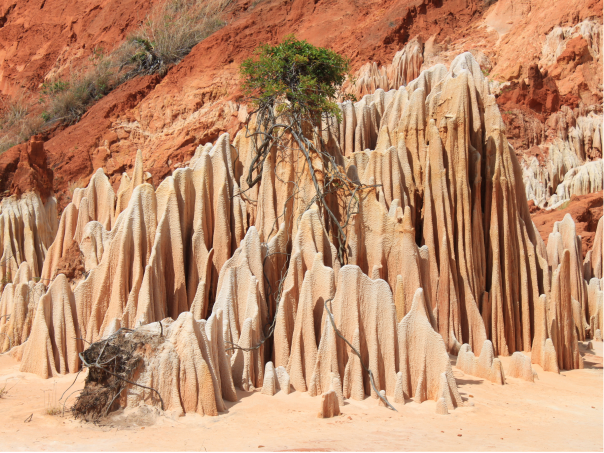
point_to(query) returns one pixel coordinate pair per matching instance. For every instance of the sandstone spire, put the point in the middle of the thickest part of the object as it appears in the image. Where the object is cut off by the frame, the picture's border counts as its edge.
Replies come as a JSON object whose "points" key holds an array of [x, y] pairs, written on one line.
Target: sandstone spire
{"points": [[440, 252], [183, 369], [423, 358], [54, 343], [562, 325], [27, 229]]}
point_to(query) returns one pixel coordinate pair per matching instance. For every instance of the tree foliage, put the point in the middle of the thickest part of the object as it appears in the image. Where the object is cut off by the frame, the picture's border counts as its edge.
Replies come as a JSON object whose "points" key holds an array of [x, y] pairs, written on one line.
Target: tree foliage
{"points": [[305, 76]]}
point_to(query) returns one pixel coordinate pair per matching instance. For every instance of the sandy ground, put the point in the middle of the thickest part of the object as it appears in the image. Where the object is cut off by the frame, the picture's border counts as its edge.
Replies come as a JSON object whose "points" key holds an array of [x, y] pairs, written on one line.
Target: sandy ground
{"points": [[557, 412]]}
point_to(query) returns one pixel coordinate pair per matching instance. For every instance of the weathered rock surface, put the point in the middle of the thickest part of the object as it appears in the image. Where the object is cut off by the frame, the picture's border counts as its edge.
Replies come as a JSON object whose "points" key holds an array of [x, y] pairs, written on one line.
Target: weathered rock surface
{"points": [[423, 358], [485, 366], [543, 352], [562, 322], [27, 229], [189, 369], [586, 211], [442, 253], [562, 239], [520, 367], [55, 340], [32, 172], [329, 405]]}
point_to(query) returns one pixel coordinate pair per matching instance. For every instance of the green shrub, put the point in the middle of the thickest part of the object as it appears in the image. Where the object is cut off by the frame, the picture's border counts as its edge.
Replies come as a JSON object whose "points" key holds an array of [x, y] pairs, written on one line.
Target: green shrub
{"points": [[294, 87], [299, 78], [54, 87]]}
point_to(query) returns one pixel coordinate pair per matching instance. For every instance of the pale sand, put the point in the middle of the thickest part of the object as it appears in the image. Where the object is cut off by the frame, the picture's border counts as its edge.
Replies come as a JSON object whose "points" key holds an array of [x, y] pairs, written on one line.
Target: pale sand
{"points": [[557, 412]]}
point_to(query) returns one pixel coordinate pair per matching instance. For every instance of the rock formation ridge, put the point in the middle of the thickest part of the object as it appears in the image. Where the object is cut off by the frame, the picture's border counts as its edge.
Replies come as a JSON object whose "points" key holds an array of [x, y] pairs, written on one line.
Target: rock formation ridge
{"points": [[443, 258]]}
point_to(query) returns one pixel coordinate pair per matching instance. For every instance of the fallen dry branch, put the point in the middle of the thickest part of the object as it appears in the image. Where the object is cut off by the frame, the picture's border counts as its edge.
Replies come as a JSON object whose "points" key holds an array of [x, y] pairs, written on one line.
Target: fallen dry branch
{"points": [[111, 363]]}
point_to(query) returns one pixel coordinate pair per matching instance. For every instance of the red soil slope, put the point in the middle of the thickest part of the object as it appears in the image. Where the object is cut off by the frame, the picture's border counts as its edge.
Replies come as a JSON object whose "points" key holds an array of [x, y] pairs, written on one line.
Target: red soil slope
{"points": [[39, 38]]}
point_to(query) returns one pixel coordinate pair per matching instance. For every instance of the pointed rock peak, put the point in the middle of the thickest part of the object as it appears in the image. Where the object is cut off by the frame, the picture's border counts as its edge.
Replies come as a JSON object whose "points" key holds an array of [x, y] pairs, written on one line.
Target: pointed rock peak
{"points": [[222, 144], [568, 220], [520, 367], [394, 206], [23, 274], [407, 221], [441, 407], [138, 175], [485, 366], [251, 235], [330, 406], [399, 394], [269, 385], [399, 214], [375, 274], [565, 258], [100, 175], [418, 307], [383, 140], [283, 379], [318, 261]]}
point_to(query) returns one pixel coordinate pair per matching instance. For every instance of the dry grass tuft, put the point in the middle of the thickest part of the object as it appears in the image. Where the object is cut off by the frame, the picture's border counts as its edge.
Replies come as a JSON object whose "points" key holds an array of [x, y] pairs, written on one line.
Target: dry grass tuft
{"points": [[67, 101], [51, 404], [15, 109], [5, 389], [16, 123], [168, 34], [55, 410]]}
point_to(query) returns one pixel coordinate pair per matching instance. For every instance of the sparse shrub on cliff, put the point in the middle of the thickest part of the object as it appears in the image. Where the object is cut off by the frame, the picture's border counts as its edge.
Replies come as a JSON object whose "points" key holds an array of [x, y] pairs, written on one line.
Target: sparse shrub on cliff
{"points": [[60, 100], [67, 101], [16, 123], [168, 34], [15, 109]]}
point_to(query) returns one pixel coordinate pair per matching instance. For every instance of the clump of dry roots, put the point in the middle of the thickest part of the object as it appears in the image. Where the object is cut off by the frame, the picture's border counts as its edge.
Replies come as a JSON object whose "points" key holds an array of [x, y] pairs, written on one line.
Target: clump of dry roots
{"points": [[112, 363]]}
